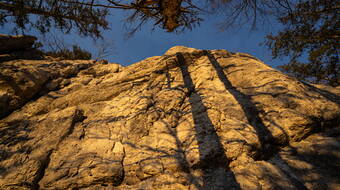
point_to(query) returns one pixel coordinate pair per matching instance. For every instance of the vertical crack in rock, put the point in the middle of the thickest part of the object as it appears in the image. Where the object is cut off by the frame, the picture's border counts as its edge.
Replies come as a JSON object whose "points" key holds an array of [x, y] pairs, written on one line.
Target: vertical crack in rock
{"points": [[119, 149], [44, 162], [249, 109], [78, 116], [211, 151]]}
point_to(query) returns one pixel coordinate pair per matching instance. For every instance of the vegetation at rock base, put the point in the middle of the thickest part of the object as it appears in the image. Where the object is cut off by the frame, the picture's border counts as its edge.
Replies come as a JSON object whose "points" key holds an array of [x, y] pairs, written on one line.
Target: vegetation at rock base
{"points": [[71, 54], [311, 26]]}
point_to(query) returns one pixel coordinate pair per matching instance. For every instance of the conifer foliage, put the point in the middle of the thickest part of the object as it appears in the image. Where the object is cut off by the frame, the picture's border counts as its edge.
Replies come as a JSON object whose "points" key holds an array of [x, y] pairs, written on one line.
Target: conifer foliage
{"points": [[62, 14], [312, 30]]}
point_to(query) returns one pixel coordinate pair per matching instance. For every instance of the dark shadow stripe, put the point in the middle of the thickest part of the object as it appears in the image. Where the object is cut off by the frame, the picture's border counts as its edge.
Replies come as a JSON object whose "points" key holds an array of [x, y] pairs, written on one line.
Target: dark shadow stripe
{"points": [[248, 107], [252, 114], [206, 135]]}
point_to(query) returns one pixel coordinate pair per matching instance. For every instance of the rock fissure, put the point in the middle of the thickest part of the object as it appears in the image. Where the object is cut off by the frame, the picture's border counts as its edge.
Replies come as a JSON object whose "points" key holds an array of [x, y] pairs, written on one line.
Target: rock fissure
{"points": [[77, 117], [44, 162]]}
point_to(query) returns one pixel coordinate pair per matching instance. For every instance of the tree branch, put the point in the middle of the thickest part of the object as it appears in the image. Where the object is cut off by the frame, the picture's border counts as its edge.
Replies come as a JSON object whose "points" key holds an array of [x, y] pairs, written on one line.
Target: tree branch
{"points": [[30, 10]]}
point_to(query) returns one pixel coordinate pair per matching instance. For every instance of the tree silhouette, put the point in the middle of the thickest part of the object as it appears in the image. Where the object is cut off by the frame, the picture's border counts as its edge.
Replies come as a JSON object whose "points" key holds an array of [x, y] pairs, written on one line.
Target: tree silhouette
{"points": [[90, 16], [312, 29]]}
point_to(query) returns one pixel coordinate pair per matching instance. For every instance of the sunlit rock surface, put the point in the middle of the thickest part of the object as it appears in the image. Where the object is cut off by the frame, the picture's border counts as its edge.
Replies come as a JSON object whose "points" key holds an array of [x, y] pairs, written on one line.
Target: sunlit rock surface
{"points": [[190, 119]]}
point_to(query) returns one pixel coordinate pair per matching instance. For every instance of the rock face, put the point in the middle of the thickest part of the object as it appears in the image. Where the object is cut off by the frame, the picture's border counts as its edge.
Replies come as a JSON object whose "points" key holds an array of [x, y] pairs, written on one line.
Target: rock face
{"points": [[23, 80], [190, 119], [15, 43], [17, 47]]}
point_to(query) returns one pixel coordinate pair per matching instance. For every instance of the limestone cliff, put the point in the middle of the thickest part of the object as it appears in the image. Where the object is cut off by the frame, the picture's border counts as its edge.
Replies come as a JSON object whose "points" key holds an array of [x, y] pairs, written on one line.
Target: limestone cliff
{"points": [[190, 119]]}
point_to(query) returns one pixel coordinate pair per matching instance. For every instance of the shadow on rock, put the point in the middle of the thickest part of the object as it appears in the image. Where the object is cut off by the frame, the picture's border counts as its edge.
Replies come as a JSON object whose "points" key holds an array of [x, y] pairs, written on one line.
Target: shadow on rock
{"points": [[211, 151]]}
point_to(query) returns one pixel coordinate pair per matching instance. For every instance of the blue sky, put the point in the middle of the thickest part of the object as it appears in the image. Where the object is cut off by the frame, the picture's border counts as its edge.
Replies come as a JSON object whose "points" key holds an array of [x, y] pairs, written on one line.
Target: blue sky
{"points": [[147, 42]]}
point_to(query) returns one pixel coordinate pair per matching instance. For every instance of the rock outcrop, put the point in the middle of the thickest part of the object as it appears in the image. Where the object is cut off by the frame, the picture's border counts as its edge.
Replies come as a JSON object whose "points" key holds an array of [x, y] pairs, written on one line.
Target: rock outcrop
{"points": [[190, 119], [18, 47], [15, 43]]}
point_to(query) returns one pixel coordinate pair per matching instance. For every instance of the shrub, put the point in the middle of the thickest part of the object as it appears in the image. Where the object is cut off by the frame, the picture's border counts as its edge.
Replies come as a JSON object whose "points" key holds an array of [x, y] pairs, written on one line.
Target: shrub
{"points": [[75, 53]]}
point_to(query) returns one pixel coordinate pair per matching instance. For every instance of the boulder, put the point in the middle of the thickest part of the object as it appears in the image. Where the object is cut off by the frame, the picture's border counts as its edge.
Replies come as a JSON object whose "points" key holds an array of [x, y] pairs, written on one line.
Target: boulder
{"points": [[9, 43], [190, 119]]}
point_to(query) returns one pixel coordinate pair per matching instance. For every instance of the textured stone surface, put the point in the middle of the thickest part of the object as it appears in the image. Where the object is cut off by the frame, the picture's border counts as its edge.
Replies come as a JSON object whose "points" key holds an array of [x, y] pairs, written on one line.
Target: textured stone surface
{"points": [[190, 119], [22, 80]]}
